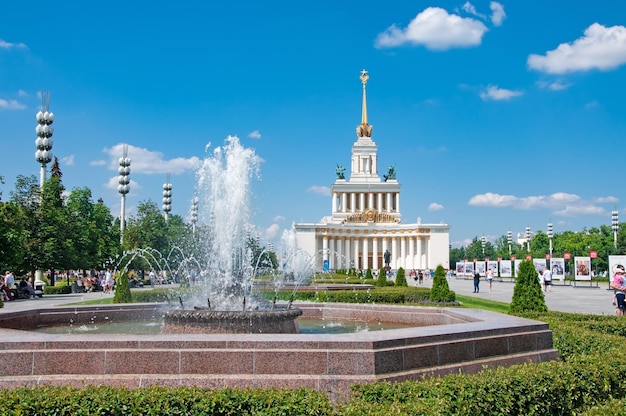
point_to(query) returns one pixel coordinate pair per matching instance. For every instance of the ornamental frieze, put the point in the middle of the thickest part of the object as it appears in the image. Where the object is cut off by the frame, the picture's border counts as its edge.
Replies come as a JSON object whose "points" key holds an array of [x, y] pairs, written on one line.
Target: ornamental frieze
{"points": [[371, 215]]}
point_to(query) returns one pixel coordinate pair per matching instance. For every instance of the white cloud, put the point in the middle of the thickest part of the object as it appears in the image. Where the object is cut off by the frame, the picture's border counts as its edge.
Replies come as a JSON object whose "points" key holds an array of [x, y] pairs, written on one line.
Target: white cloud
{"points": [[469, 8], [600, 48], [592, 104], [319, 190], [11, 105], [272, 231], [561, 203], [436, 29], [255, 134], [495, 93], [149, 162], [22, 93], [97, 163], [68, 160], [278, 218], [497, 13], [435, 207], [7, 45], [557, 85]]}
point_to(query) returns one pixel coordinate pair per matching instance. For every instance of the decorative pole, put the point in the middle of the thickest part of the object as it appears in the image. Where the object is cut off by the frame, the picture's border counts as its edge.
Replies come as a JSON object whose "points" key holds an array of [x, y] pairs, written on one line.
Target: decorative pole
{"points": [[44, 130], [615, 226], [550, 235], [483, 242], [527, 235], [167, 196], [123, 187], [509, 239], [194, 214]]}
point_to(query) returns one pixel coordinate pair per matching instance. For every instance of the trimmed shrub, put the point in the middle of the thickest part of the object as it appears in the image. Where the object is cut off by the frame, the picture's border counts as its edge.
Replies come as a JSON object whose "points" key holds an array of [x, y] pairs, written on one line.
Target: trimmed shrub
{"points": [[368, 274], [527, 294], [56, 290], [401, 278], [382, 278], [122, 290], [440, 291]]}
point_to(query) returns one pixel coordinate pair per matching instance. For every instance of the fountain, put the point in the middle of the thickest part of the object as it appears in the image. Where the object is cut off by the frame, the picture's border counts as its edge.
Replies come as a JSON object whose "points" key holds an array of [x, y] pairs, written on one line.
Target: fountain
{"points": [[252, 355]]}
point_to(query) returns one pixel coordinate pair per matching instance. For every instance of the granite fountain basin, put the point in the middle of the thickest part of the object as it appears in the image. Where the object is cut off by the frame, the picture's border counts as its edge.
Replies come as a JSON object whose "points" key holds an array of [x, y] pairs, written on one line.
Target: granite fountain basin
{"points": [[442, 341]]}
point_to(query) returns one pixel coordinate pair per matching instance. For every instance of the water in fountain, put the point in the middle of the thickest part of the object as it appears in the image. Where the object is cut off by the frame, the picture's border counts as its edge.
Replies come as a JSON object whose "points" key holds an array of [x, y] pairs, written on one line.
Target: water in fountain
{"points": [[225, 301]]}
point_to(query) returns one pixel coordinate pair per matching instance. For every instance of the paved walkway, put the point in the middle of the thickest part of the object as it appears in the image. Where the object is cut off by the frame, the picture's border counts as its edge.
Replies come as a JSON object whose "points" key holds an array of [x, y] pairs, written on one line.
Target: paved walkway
{"points": [[580, 299]]}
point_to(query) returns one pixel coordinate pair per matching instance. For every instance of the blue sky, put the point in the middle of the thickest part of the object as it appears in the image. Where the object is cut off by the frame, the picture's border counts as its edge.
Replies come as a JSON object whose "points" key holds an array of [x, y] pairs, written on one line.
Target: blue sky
{"points": [[497, 115]]}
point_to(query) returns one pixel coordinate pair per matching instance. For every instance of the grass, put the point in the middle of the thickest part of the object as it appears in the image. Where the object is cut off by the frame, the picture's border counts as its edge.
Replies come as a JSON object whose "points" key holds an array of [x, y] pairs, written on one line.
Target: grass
{"points": [[477, 303]]}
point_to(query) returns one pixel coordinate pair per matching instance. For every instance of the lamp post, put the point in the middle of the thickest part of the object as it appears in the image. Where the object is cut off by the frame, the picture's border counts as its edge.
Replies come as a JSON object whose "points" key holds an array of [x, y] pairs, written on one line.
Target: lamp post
{"points": [[123, 187], [615, 226], [44, 131], [527, 236], [550, 235], [194, 214], [509, 239], [483, 242], [167, 196]]}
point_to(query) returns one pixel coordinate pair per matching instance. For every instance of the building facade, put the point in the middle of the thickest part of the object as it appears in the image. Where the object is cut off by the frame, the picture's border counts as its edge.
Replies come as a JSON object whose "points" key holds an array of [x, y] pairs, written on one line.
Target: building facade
{"points": [[366, 222]]}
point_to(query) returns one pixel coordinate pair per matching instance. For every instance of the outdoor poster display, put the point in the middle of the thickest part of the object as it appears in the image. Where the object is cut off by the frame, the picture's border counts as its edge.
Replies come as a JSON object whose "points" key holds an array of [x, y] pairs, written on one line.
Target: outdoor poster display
{"points": [[493, 266], [460, 268], [540, 265], [582, 268], [517, 263], [481, 268], [616, 262], [505, 268], [557, 266], [469, 268]]}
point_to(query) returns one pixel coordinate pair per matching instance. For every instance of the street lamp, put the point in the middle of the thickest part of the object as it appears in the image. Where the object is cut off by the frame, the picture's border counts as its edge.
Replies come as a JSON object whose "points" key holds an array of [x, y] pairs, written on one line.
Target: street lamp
{"points": [[615, 226], [167, 196], [483, 242], [550, 235], [509, 239], [194, 214], [44, 131], [527, 236], [123, 187]]}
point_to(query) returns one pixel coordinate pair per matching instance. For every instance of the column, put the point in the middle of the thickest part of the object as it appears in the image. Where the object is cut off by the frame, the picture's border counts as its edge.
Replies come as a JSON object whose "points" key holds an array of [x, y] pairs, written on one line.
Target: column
{"points": [[352, 202], [420, 263], [388, 195], [365, 252], [370, 200], [348, 255], [324, 249], [375, 265], [427, 258], [398, 202], [332, 255], [379, 204], [394, 253], [340, 252], [355, 241], [344, 201], [334, 203], [403, 252], [361, 201], [385, 248], [411, 260]]}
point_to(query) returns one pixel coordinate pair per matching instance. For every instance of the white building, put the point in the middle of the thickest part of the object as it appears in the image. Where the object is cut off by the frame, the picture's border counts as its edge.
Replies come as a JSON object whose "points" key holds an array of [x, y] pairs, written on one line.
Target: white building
{"points": [[365, 218]]}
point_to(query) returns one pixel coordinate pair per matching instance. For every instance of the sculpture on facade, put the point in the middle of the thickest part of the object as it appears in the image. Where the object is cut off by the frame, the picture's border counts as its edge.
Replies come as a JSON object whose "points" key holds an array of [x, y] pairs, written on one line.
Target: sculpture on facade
{"points": [[340, 172], [391, 173], [387, 257]]}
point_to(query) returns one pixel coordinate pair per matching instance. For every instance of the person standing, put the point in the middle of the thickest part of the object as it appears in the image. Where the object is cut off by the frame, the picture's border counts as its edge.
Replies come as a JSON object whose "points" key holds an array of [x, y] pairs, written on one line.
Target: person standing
{"points": [[476, 281], [619, 285], [490, 278], [547, 280], [152, 276], [9, 281], [108, 281]]}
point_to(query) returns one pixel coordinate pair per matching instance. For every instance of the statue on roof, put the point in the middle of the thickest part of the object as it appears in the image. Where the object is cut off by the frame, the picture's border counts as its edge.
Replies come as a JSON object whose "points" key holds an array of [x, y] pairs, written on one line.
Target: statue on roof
{"points": [[391, 173], [340, 172]]}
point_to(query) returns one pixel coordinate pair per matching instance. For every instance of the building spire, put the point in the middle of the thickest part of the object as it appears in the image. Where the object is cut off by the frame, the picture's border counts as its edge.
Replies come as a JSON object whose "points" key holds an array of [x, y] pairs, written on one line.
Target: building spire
{"points": [[364, 129]]}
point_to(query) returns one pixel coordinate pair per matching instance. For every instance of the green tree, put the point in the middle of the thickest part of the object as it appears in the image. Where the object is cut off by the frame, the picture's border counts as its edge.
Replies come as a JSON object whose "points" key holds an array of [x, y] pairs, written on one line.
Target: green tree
{"points": [[440, 291], [401, 278], [122, 290], [382, 278], [527, 294]]}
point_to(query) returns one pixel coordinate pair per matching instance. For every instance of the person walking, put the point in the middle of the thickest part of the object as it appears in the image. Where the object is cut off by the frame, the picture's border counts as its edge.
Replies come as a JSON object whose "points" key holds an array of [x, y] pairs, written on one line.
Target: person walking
{"points": [[618, 283], [490, 278], [547, 280], [476, 281]]}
